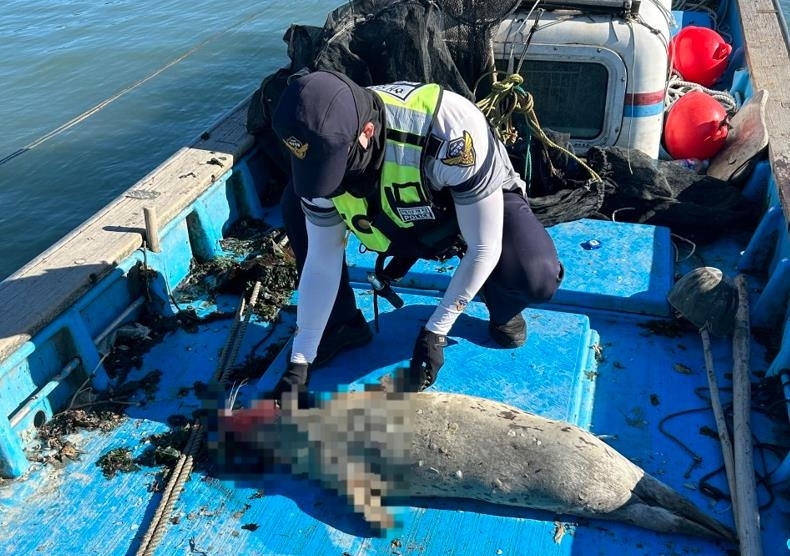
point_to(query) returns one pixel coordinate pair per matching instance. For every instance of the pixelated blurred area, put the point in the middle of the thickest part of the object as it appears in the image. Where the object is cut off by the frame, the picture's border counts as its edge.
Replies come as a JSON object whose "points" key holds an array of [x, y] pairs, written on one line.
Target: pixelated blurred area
{"points": [[358, 444]]}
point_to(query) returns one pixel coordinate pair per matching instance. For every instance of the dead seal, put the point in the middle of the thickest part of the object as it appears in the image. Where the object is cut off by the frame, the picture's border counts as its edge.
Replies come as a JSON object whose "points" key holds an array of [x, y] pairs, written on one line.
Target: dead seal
{"points": [[378, 446]]}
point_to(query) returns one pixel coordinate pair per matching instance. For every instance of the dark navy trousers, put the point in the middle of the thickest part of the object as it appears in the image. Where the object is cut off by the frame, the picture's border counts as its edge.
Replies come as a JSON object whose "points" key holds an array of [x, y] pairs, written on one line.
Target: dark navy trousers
{"points": [[528, 271]]}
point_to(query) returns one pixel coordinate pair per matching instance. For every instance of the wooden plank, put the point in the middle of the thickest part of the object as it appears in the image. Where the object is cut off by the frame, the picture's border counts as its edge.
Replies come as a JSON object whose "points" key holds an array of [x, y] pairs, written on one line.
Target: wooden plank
{"points": [[47, 285], [768, 56]]}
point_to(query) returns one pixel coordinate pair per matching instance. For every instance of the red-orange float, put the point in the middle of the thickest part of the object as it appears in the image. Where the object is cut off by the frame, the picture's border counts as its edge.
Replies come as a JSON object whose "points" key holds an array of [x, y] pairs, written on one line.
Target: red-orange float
{"points": [[699, 54], [695, 127]]}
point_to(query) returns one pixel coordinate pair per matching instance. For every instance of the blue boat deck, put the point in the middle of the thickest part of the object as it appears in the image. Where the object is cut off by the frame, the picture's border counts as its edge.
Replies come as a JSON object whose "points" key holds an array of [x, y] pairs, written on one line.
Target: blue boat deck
{"points": [[605, 354], [605, 267], [552, 375], [596, 357]]}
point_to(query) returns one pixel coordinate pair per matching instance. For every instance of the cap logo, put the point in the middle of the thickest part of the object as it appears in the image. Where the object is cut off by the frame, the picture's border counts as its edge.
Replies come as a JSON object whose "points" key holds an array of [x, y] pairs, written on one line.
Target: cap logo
{"points": [[298, 148], [461, 151]]}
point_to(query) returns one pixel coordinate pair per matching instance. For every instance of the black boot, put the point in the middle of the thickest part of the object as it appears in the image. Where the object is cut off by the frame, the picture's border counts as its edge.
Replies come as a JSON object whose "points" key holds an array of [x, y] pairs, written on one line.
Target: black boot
{"points": [[353, 333], [511, 334]]}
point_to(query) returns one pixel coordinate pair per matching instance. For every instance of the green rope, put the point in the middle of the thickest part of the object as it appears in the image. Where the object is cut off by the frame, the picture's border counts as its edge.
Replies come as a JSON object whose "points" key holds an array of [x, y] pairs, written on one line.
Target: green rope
{"points": [[508, 97]]}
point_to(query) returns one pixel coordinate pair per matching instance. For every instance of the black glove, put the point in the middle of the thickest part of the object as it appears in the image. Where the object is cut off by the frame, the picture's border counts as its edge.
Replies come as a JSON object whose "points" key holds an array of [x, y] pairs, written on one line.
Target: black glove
{"points": [[295, 379], [427, 359]]}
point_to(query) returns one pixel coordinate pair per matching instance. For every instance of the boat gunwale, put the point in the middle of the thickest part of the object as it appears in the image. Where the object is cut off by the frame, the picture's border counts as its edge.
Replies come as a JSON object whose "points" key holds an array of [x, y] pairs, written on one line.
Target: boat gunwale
{"points": [[767, 51], [117, 230], [41, 290]]}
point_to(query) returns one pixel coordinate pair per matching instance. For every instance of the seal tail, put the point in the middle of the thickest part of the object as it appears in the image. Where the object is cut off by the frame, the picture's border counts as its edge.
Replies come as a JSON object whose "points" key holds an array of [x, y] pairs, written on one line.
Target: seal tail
{"points": [[665, 510]]}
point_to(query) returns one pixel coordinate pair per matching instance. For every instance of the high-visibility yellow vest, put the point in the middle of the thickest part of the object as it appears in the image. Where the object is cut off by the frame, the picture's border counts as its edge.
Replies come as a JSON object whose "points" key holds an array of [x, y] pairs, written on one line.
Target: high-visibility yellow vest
{"points": [[403, 216]]}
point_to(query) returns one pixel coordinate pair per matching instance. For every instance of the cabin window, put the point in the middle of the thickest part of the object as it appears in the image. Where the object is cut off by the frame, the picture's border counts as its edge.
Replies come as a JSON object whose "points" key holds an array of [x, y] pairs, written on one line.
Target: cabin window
{"points": [[570, 97]]}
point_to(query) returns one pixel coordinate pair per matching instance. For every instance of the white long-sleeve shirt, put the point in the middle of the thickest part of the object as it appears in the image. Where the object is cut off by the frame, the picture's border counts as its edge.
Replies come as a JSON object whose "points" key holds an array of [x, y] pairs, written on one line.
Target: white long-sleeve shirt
{"points": [[476, 169]]}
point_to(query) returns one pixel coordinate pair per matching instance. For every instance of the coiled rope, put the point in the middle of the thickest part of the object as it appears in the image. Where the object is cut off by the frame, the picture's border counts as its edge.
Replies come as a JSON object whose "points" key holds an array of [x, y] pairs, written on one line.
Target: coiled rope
{"points": [[508, 97], [677, 87]]}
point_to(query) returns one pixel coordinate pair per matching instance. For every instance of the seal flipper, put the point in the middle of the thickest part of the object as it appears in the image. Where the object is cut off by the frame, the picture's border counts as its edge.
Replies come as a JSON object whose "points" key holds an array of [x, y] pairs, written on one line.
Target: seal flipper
{"points": [[667, 511]]}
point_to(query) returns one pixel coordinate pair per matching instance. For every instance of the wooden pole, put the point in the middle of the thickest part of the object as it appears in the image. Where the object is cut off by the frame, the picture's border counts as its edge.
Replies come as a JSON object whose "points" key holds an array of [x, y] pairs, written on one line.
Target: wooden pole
{"points": [[152, 229], [746, 485], [721, 426]]}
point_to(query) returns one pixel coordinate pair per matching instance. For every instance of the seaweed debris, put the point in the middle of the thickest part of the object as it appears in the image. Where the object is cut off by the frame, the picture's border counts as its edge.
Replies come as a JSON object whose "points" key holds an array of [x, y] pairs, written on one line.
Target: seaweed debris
{"points": [[118, 460], [54, 448], [164, 449], [250, 256], [675, 328], [255, 252], [129, 343], [161, 450], [89, 410], [253, 366]]}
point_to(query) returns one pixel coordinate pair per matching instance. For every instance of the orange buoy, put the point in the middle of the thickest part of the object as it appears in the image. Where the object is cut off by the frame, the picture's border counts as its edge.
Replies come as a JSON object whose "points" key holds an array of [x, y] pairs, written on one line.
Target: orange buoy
{"points": [[695, 127], [699, 54]]}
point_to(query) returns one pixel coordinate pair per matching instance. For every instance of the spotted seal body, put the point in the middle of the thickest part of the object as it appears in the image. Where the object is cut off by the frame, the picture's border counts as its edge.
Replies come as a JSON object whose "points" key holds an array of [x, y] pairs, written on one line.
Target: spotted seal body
{"points": [[375, 446], [490, 451]]}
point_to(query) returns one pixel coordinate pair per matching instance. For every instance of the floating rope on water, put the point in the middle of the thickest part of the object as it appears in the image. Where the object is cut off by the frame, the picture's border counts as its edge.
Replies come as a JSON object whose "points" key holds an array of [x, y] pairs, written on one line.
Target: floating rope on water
{"points": [[106, 102]]}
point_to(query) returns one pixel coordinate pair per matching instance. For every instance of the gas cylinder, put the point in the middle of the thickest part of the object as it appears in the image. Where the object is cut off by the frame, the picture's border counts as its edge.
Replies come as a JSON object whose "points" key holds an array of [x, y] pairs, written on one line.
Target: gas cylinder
{"points": [[695, 127], [699, 54]]}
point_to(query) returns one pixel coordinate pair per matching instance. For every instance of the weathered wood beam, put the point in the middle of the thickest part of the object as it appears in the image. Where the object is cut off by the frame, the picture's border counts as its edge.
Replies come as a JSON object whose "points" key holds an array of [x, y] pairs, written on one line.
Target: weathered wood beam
{"points": [[768, 55], [34, 295]]}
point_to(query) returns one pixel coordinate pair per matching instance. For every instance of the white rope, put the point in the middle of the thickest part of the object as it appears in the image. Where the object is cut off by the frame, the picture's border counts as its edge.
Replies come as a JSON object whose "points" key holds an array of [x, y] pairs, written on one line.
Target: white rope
{"points": [[677, 87], [670, 19]]}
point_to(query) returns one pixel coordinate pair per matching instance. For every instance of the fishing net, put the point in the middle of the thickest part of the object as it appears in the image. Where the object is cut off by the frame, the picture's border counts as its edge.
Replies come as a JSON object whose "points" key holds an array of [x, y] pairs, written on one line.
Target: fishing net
{"points": [[469, 27], [381, 41], [450, 42], [663, 193]]}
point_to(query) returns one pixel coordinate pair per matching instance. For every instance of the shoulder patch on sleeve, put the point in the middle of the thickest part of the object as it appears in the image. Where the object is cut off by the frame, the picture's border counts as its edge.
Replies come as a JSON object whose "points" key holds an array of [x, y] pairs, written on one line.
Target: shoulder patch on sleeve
{"points": [[460, 152]]}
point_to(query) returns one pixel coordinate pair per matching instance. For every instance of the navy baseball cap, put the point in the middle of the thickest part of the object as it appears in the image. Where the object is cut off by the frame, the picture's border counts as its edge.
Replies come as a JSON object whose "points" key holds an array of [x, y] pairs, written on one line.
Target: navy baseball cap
{"points": [[317, 120]]}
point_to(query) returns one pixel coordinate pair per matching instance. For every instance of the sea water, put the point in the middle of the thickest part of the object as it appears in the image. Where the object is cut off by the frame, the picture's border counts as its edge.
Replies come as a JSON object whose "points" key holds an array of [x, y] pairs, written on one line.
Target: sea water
{"points": [[105, 91], [95, 95]]}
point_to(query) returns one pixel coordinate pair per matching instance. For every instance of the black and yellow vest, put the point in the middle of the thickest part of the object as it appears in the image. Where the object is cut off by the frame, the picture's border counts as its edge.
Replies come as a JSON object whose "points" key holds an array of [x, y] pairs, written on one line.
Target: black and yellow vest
{"points": [[403, 217]]}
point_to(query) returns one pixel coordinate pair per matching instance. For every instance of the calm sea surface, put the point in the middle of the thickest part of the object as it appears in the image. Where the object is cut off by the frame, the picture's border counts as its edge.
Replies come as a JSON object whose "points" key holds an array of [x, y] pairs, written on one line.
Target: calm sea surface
{"points": [[61, 58]]}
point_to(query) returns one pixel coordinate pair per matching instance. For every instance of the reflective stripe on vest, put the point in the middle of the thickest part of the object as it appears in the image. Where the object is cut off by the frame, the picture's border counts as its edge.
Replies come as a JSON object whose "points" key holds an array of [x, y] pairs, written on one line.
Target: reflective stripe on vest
{"points": [[404, 200]]}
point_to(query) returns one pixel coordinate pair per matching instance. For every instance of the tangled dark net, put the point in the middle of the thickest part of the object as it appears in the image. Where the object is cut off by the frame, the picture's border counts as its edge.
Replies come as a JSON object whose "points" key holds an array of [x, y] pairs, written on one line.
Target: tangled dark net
{"points": [[469, 27], [449, 42]]}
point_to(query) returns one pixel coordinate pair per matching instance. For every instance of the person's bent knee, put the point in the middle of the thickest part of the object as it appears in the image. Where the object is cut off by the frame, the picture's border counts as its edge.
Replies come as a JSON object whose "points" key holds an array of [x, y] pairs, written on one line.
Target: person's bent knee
{"points": [[544, 281]]}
